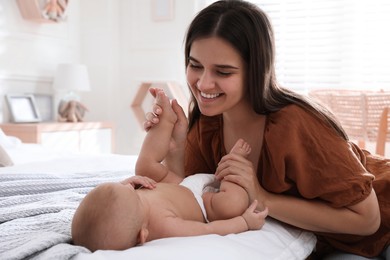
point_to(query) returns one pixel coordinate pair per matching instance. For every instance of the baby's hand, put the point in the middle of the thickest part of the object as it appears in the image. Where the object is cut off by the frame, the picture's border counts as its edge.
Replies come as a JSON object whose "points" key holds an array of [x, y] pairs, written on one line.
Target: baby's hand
{"points": [[253, 218], [140, 181]]}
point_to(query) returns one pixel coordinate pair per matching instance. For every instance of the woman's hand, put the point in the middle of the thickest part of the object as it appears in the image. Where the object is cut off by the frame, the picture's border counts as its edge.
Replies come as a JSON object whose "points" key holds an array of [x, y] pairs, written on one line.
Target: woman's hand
{"points": [[179, 133], [237, 169], [152, 117], [140, 181]]}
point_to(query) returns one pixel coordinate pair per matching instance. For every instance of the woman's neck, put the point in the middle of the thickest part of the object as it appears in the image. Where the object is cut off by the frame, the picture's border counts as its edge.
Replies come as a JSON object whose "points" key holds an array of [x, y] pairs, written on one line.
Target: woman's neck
{"points": [[248, 125], [240, 116]]}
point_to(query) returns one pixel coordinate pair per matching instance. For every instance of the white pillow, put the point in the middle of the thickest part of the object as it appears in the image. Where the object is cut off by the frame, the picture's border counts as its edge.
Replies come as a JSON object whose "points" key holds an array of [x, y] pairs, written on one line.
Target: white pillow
{"points": [[5, 160], [8, 141]]}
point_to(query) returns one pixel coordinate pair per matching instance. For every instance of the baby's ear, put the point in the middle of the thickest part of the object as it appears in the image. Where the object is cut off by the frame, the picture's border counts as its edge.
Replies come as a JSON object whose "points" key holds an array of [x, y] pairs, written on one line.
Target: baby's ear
{"points": [[142, 235]]}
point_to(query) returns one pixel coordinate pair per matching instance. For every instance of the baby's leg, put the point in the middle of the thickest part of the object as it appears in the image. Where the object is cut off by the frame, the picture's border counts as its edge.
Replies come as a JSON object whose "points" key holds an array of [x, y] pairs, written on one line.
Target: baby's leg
{"points": [[231, 200], [168, 116], [156, 143]]}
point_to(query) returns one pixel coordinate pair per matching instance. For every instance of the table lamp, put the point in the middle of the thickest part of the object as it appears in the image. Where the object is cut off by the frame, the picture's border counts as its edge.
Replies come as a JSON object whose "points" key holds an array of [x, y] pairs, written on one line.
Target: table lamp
{"points": [[72, 78]]}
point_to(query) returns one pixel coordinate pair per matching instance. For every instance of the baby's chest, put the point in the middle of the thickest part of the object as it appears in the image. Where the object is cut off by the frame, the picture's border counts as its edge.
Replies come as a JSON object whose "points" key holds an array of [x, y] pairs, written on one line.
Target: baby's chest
{"points": [[179, 203]]}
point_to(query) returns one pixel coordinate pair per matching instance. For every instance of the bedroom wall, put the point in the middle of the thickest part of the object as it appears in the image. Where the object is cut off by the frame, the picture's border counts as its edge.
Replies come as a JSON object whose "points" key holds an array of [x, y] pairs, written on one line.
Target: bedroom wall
{"points": [[123, 46], [30, 51], [118, 41], [152, 51]]}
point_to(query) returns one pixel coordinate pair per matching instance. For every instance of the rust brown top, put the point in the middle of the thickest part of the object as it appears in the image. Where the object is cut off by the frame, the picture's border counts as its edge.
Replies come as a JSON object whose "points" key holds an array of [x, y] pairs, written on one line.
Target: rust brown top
{"points": [[303, 157]]}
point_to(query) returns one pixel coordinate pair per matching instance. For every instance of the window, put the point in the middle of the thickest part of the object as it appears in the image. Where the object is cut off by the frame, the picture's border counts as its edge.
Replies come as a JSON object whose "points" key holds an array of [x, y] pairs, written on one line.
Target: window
{"points": [[331, 43]]}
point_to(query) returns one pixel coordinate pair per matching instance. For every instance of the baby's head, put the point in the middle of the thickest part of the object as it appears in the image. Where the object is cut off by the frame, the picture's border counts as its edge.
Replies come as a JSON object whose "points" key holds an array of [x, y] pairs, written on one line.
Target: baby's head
{"points": [[109, 217]]}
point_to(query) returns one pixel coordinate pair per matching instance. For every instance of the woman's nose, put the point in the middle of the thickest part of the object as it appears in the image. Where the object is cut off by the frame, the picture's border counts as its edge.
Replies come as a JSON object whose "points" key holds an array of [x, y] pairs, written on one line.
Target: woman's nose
{"points": [[205, 82]]}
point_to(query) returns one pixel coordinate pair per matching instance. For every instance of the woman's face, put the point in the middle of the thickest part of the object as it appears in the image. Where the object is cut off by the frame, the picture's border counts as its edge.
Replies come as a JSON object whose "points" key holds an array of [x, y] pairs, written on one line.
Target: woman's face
{"points": [[215, 75]]}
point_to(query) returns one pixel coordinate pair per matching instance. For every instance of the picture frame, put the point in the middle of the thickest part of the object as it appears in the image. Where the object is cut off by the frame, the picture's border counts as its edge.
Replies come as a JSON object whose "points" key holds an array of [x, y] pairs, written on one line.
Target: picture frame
{"points": [[45, 106], [23, 108], [162, 10]]}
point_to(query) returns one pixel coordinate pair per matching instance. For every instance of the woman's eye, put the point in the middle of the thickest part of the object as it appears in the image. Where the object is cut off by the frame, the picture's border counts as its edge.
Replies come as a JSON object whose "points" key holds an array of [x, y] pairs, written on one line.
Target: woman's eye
{"points": [[195, 66], [224, 73]]}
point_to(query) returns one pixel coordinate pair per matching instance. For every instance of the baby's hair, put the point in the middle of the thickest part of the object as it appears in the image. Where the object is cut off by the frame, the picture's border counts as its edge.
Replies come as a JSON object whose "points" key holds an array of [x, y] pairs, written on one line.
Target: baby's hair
{"points": [[105, 219]]}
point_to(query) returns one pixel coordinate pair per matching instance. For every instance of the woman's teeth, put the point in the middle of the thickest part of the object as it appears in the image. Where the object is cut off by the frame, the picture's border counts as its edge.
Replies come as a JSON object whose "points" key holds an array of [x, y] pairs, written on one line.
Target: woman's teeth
{"points": [[209, 95]]}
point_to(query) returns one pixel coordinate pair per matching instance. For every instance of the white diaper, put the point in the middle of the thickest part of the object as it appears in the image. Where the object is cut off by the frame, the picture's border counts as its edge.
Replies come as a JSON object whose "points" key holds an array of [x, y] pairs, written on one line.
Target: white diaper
{"points": [[197, 184]]}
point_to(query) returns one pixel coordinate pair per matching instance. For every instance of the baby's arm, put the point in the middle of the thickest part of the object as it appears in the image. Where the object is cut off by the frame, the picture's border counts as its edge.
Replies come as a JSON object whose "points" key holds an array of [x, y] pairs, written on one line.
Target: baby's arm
{"points": [[156, 145], [250, 220], [140, 181]]}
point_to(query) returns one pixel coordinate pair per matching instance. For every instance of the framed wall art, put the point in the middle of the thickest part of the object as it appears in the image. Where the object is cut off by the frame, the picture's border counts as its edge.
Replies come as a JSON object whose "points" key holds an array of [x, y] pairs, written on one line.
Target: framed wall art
{"points": [[162, 10], [43, 10]]}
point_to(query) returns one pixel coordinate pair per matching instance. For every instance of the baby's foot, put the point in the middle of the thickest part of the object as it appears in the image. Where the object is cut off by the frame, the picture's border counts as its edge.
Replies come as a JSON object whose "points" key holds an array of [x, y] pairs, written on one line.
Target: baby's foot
{"points": [[242, 148], [163, 101]]}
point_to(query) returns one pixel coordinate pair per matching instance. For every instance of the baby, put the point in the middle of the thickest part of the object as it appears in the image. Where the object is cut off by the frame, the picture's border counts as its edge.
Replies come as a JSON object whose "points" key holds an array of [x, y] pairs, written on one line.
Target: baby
{"points": [[121, 215]]}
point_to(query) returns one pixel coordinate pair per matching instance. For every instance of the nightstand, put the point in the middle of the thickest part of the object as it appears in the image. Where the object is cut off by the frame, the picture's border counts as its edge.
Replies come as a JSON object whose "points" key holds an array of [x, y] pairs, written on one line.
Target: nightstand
{"points": [[84, 137]]}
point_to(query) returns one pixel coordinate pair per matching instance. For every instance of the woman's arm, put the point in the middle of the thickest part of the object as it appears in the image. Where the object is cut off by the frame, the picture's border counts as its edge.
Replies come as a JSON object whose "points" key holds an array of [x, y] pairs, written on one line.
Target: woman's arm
{"points": [[363, 218]]}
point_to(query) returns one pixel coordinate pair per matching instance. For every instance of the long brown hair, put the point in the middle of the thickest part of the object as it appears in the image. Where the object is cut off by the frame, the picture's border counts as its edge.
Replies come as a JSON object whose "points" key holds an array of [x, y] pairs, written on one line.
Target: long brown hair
{"points": [[246, 27]]}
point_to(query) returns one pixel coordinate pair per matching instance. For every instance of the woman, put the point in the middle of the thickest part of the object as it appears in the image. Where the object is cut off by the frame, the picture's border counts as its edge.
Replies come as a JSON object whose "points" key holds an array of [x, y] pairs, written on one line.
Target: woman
{"points": [[302, 166]]}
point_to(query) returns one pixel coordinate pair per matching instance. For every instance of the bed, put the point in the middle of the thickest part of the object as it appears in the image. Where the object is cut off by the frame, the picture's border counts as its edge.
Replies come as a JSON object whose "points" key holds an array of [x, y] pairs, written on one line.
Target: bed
{"points": [[40, 192]]}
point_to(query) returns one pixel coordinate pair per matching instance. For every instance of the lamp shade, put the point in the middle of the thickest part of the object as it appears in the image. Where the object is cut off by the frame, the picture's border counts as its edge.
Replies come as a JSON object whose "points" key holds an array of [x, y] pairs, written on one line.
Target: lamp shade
{"points": [[71, 77]]}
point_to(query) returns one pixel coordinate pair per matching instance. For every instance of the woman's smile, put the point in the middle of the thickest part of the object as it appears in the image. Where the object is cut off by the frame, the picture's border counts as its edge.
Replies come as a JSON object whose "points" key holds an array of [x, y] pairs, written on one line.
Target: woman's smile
{"points": [[209, 96]]}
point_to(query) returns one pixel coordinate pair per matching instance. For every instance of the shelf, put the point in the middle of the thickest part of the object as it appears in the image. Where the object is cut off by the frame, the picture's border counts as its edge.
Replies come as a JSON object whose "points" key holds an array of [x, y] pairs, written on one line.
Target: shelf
{"points": [[85, 137]]}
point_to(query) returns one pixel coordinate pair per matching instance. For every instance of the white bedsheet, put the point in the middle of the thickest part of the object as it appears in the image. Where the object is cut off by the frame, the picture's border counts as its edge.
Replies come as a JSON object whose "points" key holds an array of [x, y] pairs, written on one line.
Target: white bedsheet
{"points": [[273, 241]]}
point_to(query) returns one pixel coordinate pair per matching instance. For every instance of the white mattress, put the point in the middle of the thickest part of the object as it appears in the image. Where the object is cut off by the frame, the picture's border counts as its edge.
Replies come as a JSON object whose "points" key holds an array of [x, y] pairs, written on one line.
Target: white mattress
{"points": [[273, 241]]}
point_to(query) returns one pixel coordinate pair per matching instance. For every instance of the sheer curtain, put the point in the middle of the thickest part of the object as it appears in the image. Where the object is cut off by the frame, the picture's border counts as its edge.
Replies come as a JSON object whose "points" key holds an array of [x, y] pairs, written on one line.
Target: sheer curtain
{"points": [[331, 43]]}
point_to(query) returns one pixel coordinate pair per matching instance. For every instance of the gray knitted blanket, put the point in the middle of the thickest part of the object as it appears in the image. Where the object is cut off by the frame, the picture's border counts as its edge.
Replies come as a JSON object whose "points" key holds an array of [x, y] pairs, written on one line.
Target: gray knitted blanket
{"points": [[36, 212]]}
